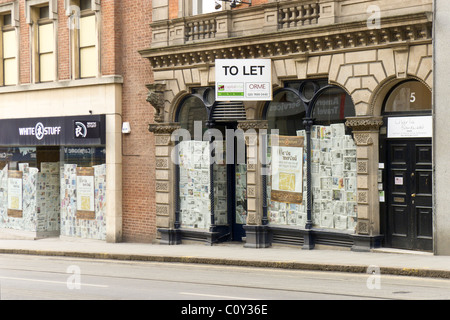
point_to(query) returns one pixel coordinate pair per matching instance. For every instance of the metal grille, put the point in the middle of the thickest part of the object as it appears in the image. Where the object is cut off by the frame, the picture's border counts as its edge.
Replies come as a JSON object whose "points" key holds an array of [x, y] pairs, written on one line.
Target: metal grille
{"points": [[229, 111]]}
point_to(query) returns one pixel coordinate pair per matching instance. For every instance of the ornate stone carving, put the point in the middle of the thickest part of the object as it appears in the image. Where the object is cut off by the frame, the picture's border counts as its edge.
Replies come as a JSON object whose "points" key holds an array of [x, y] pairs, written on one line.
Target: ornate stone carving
{"points": [[363, 227], [364, 123], [253, 124], [163, 128], [156, 98], [418, 28]]}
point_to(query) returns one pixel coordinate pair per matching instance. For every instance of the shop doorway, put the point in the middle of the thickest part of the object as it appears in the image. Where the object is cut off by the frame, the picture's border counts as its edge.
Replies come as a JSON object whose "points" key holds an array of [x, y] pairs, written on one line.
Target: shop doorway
{"points": [[212, 201], [409, 194], [405, 170], [232, 175]]}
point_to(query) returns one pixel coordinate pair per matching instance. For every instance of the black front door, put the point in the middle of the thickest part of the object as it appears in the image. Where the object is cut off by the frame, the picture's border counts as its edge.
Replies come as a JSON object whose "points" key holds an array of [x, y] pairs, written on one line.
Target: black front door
{"points": [[409, 194]]}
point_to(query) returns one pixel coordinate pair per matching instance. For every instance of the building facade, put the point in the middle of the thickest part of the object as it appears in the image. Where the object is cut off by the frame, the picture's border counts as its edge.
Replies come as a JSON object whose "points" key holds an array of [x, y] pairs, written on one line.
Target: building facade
{"points": [[70, 79], [352, 79]]}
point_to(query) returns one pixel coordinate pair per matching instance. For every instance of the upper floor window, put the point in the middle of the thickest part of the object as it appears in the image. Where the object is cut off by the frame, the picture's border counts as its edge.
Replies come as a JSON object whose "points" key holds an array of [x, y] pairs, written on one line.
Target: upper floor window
{"points": [[46, 46], [41, 15], [84, 39], [8, 51]]}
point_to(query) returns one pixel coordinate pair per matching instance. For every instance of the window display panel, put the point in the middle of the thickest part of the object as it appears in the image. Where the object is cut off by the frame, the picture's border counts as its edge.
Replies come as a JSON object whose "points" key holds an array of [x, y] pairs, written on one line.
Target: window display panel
{"points": [[194, 188], [29, 190], [241, 193], [333, 177], [83, 192], [282, 212]]}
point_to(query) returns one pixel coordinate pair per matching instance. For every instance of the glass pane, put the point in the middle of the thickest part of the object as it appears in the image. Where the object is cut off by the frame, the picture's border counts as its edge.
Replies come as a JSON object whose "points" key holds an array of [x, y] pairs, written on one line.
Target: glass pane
{"points": [[46, 43], [194, 193], [10, 66], [286, 113], [241, 193], [88, 62], [9, 44], [192, 110], [409, 96], [333, 105], [87, 31], [204, 6], [220, 185], [333, 177], [46, 67], [286, 213]]}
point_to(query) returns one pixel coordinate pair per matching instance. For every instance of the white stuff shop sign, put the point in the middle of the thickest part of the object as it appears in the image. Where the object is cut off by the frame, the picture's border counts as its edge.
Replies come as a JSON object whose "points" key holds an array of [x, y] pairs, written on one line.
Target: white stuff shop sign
{"points": [[66, 131], [243, 80]]}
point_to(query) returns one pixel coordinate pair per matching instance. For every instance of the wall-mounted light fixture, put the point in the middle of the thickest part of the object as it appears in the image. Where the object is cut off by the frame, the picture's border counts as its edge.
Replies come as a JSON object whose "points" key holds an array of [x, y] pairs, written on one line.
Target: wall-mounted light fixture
{"points": [[233, 3]]}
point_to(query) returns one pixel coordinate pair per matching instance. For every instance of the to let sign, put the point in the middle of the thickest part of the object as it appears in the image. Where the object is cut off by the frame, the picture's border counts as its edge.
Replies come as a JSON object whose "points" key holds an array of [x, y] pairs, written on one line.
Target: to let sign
{"points": [[243, 80]]}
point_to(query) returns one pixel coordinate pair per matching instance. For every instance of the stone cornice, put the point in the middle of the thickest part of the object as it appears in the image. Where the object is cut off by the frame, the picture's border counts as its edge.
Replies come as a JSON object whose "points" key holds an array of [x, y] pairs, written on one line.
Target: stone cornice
{"points": [[413, 28]]}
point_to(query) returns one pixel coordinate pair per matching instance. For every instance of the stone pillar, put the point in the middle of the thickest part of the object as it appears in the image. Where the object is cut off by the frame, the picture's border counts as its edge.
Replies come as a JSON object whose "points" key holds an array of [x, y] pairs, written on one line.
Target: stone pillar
{"points": [[166, 197], [441, 143], [366, 135], [255, 132]]}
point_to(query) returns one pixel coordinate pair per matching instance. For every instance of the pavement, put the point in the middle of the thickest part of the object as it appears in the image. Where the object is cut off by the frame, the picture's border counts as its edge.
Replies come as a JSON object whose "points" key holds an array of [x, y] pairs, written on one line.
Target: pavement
{"points": [[387, 262]]}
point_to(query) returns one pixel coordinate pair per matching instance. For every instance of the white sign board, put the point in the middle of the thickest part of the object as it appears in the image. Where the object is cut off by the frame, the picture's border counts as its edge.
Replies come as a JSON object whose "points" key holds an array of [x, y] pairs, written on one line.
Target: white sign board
{"points": [[15, 194], [243, 80], [410, 127]]}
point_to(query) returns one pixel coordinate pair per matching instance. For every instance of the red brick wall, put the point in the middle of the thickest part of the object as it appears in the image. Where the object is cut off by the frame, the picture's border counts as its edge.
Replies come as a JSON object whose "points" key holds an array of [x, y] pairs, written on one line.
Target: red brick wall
{"points": [[138, 146]]}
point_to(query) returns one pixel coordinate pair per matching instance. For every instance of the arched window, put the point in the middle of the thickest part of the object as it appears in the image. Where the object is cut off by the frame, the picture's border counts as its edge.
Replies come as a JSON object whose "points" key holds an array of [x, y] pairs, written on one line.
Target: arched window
{"points": [[333, 154], [333, 105], [410, 96], [191, 110], [286, 112]]}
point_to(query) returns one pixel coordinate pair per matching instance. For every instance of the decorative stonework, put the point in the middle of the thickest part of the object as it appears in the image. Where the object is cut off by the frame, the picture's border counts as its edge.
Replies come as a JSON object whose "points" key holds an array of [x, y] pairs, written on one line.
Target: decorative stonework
{"points": [[253, 124], [162, 210], [162, 186], [163, 128], [364, 123], [324, 40], [162, 163], [156, 98], [363, 227]]}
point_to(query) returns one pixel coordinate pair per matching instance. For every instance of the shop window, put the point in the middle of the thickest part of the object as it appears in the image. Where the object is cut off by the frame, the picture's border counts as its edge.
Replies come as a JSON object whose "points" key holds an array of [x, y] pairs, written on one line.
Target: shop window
{"points": [[333, 154], [193, 166], [8, 52], [54, 190]]}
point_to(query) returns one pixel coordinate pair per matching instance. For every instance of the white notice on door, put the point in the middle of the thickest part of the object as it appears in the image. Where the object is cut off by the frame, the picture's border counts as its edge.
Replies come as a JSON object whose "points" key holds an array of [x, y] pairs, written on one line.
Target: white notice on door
{"points": [[398, 181], [410, 127]]}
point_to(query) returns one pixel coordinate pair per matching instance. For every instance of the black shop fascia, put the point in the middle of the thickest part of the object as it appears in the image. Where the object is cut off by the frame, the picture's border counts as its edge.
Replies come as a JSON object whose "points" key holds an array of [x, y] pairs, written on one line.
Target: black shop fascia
{"points": [[54, 131]]}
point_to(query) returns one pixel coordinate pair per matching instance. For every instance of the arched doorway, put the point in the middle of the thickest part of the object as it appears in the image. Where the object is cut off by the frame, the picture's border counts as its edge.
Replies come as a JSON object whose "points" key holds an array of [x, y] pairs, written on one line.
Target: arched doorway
{"points": [[405, 177], [211, 169]]}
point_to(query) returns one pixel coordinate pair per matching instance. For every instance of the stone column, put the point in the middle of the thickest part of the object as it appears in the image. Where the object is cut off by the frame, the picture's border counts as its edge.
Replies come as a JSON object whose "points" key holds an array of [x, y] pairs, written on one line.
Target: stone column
{"points": [[166, 185], [366, 135], [255, 132]]}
